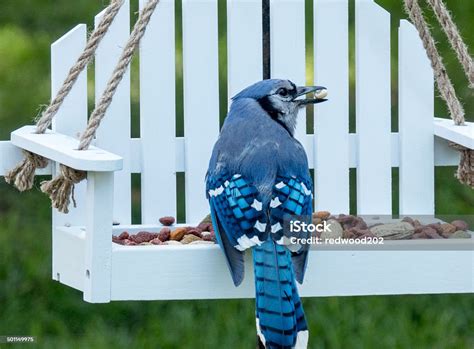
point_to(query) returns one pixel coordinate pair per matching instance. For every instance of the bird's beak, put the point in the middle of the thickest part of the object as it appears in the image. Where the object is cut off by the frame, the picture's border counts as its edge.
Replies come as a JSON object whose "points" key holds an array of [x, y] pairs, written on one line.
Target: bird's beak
{"points": [[319, 94]]}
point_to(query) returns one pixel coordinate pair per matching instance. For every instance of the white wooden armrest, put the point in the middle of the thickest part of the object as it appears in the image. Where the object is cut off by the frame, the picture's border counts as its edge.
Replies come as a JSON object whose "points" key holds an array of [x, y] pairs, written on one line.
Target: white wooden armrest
{"points": [[63, 149], [463, 135]]}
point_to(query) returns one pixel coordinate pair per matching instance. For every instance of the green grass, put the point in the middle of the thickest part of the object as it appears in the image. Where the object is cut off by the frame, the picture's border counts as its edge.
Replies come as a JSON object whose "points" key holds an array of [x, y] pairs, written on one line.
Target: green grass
{"points": [[32, 304]]}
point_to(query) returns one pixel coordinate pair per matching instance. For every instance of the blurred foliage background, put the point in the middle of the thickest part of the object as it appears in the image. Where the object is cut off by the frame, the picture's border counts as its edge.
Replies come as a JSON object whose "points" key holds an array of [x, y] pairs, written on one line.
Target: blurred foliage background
{"points": [[32, 304]]}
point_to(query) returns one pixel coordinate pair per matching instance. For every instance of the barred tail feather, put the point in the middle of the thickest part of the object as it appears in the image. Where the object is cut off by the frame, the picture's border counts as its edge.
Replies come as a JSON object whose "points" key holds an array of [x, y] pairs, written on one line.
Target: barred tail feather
{"points": [[280, 318]]}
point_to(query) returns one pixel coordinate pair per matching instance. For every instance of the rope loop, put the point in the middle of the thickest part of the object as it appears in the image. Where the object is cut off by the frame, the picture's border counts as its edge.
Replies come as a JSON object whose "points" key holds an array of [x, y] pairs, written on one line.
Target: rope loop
{"points": [[465, 171], [61, 188], [23, 175]]}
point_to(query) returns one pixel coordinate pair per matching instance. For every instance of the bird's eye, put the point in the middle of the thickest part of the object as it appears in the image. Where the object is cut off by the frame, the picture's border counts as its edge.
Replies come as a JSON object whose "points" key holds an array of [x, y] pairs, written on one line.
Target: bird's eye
{"points": [[283, 92]]}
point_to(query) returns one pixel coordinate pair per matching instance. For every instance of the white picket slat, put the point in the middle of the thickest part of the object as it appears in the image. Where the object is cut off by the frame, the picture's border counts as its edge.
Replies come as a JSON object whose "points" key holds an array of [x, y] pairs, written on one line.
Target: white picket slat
{"points": [[244, 44], [71, 118], [416, 111], [114, 132], [201, 99], [288, 49], [158, 114], [331, 119], [374, 186]]}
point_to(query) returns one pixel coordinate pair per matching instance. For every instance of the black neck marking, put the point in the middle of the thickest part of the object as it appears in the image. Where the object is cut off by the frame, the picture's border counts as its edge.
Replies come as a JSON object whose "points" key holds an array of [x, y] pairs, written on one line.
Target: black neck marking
{"points": [[272, 112]]}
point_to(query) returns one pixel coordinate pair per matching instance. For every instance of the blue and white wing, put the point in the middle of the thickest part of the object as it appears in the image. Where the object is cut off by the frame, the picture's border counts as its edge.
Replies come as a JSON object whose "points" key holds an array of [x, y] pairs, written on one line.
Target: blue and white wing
{"points": [[292, 198], [238, 216]]}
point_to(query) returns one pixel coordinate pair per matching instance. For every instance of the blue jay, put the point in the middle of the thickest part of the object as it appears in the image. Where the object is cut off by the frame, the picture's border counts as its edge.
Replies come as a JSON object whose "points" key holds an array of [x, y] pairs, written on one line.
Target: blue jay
{"points": [[258, 175]]}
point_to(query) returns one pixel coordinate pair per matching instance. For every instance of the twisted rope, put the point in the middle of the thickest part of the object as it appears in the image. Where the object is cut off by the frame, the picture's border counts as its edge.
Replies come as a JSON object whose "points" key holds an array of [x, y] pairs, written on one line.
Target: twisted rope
{"points": [[61, 188], [22, 176], [445, 86], [117, 76], [465, 172], [455, 39], [82, 62]]}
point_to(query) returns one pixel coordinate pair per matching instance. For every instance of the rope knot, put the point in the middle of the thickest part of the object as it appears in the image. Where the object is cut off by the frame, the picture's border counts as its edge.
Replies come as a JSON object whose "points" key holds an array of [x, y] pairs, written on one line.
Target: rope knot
{"points": [[23, 175], [465, 172], [61, 188], [36, 160]]}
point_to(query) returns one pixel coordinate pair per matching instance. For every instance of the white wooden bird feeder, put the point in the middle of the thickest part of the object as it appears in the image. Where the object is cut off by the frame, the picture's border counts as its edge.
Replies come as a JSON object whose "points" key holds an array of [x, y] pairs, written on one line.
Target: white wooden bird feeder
{"points": [[83, 254]]}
